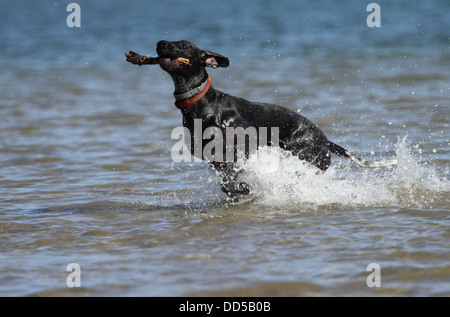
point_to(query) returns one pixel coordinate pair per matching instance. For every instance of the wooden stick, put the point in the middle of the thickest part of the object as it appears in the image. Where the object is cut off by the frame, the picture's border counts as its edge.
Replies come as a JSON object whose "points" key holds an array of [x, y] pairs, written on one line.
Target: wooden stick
{"points": [[182, 60], [135, 58], [140, 60]]}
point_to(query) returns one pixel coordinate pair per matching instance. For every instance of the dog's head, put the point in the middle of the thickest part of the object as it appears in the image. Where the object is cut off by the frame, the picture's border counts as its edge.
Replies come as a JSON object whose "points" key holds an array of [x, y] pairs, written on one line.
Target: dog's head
{"points": [[184, 59]]}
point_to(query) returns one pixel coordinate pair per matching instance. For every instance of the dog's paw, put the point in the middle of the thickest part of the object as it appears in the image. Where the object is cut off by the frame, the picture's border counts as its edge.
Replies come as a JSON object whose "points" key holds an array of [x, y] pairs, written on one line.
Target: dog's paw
{"points": [[243, 188], [240, 188]]}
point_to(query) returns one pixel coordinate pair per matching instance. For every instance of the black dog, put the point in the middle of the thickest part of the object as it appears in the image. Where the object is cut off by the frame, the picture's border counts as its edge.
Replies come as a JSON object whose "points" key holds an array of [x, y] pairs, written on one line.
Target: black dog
{"points": [[197, 99]]}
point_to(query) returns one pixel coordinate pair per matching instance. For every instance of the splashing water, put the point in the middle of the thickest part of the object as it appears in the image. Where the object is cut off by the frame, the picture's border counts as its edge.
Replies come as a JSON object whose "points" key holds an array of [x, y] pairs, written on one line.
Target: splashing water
{"points": [[278, 178]]}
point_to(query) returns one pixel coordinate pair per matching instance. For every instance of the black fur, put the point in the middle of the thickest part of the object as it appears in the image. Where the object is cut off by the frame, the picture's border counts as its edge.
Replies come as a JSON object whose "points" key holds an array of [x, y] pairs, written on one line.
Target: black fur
{"points": [[217, 109]]}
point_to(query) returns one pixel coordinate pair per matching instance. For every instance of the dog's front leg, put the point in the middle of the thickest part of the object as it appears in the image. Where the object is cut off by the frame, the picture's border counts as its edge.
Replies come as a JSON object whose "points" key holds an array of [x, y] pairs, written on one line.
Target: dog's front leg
{"points": [[229, 179]]}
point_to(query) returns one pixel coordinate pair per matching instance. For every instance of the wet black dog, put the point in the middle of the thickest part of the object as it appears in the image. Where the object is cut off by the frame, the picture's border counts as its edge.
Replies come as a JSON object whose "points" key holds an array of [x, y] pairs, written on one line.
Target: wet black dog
{"points": [[197, 99]]}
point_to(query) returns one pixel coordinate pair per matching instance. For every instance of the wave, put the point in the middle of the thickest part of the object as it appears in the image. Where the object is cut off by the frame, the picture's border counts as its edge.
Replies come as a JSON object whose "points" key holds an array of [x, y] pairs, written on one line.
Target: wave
{"points": [[279, 178]]}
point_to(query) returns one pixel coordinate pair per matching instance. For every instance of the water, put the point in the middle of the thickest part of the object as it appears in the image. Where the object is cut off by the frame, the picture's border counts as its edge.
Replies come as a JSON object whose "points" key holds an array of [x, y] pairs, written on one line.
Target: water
{"points": [[86, 174]]}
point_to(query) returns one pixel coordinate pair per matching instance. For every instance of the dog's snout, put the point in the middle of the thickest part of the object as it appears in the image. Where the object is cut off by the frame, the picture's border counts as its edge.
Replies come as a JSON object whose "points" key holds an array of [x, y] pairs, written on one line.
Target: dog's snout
{"points": [[164, 48], [163, 44]]}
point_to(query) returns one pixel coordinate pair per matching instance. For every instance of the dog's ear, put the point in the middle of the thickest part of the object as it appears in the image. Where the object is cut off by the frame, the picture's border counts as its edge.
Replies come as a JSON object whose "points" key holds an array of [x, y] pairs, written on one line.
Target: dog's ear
{"points": [[214, 60]]}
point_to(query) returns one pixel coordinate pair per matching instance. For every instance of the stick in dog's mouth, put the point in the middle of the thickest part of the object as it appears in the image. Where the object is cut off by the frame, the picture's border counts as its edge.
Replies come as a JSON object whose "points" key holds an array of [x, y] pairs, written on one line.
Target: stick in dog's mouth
{"points": [[182, 60], [140, 60]]}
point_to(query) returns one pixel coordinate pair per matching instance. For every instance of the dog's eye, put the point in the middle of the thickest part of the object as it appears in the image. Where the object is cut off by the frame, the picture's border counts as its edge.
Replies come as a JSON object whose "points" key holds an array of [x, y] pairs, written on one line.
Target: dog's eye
{"points": [[184, 46]]}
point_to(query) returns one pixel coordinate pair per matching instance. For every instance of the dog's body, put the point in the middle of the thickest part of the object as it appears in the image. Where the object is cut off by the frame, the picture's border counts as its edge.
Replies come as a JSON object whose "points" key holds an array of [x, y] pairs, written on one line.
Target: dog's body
{"points": [[197, 99]]}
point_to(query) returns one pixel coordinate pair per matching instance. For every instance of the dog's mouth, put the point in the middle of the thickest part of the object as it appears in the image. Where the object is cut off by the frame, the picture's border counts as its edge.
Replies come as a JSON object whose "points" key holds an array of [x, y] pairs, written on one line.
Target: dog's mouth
{"points": [[169, 56], [173, 60]]}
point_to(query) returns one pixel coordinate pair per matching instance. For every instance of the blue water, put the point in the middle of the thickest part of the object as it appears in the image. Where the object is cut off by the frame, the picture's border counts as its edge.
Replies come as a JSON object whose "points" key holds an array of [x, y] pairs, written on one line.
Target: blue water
{"points": [[37, 31], [86, 174]]}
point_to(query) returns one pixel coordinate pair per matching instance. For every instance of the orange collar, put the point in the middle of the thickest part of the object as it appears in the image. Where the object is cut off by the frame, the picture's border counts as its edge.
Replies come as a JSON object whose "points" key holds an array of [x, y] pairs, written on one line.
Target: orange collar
{"points": [[195, 98]]}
